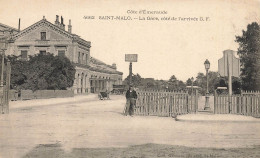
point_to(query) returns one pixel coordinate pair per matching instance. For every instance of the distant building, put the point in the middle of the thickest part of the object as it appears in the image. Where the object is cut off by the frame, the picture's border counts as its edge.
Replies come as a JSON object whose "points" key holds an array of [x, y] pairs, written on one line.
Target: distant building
{"points": [[5, 33], [92, 75]]}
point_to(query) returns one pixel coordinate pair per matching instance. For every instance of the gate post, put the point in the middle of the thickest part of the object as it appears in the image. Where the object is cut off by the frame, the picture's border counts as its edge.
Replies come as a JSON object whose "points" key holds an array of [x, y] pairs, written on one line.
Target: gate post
{"points": [[8, 79], [215, 101], [196, 101]]}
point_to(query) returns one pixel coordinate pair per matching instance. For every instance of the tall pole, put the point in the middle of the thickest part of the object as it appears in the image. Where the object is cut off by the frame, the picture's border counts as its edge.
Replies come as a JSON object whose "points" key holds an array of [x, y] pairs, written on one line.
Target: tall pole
{"points": [[192, 93], [229, 84], [2, 71], [207, 93], [207, 71], [130, 73], [2, 86]]}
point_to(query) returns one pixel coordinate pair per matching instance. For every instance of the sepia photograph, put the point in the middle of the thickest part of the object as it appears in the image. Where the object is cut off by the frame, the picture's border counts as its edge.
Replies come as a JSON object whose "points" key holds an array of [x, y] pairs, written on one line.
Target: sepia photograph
{"points": [[129, 78]]}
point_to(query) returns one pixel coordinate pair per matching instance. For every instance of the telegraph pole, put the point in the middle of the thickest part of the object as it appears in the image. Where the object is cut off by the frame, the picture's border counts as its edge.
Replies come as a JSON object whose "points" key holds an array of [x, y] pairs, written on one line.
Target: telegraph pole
{"points": [[130, 73], [130, 58]]}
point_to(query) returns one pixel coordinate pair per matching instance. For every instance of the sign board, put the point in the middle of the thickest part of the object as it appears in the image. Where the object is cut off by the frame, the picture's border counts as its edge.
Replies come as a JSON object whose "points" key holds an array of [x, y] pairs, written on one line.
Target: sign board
{"points": [[229, 64], [195, 87], [131, 57], [221, 87]]}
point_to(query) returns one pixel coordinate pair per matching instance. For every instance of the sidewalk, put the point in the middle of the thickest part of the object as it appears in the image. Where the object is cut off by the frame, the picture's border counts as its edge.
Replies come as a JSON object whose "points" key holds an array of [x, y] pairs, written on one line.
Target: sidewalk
{"points": [[207, 117], [51, 101]]}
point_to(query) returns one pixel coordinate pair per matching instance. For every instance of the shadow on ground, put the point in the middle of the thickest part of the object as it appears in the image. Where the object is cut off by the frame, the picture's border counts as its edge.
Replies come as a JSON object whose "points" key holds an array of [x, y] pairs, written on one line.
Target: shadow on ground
{"points": [[140, 151]]}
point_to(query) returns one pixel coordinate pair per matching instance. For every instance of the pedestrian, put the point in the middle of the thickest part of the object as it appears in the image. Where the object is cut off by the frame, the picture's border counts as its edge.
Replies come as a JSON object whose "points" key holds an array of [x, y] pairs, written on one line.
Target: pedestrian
{"points": [[131, 97]]}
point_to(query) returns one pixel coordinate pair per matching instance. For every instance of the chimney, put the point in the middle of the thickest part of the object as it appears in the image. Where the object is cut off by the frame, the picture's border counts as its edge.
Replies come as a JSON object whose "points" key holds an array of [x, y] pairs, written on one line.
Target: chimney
{"points": [[62, 26], [57, 21], [19, 25], [69, 26], [114, 66]]}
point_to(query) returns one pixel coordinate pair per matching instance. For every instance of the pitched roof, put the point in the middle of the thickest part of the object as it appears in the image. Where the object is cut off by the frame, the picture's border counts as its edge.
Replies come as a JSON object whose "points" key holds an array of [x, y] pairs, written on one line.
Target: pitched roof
{"points": [[8, 27], [98, 69], [45, 22], [99, 62]]}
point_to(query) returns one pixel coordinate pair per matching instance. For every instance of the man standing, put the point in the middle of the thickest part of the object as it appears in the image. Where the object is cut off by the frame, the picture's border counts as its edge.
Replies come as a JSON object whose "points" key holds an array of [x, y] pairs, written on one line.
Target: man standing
{"points": [[131, 97]]}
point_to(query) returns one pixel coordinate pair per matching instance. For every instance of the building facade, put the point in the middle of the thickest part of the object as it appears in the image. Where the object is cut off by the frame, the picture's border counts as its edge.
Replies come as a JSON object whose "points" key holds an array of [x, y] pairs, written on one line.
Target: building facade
{"points": [[92, 75]]}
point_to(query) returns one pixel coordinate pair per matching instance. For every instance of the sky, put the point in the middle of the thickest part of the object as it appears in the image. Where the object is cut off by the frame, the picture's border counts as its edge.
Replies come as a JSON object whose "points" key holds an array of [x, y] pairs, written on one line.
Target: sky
{"points": [[164, 47]]}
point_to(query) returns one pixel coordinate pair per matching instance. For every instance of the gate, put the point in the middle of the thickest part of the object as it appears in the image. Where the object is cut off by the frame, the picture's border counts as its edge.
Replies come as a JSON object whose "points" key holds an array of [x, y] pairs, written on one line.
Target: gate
{"points": [[5, 88], [158, 103], [244, 104]]}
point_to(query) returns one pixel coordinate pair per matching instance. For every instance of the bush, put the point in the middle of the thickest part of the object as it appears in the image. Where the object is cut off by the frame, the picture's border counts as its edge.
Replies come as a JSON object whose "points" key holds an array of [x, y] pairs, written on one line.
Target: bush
{"points": [[42, 72]]}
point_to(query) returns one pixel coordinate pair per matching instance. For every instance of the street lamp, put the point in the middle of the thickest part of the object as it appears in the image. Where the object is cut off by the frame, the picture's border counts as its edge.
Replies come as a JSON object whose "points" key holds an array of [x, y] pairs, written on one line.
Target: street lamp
{"points": [[207, 66]]}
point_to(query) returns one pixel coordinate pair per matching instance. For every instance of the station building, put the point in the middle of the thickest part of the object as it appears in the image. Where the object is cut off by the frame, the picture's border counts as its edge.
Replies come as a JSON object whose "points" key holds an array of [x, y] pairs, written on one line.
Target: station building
{"points": [[92, 75]]}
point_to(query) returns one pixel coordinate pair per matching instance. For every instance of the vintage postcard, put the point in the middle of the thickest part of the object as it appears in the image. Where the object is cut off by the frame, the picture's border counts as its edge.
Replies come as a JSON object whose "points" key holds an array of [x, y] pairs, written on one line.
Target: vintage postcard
{"points": [[129, 79]]}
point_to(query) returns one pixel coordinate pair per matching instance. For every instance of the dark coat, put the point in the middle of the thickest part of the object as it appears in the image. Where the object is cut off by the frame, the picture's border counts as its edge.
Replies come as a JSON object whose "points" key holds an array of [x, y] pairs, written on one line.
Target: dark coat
{"points": [[131, 94]]}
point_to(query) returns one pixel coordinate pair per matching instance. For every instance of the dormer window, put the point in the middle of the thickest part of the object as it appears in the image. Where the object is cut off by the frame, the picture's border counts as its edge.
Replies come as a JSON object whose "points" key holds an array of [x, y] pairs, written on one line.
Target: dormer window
{"points": [[43, 35]]}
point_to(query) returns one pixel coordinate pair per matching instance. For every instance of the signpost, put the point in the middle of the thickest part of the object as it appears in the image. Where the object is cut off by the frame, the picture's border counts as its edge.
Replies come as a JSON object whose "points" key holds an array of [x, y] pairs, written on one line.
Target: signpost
{"points": [[229, 66], [130, 58]]}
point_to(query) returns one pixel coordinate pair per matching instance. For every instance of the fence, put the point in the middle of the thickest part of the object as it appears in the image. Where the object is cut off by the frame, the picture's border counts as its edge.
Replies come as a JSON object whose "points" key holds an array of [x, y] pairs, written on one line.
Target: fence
{"points": [[165, 103], [250, 92], [237, 104], [44, 94]]}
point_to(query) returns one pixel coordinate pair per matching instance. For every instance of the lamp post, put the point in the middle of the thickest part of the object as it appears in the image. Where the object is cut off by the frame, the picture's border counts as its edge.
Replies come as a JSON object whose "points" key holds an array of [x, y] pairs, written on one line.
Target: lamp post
{"points": [[207, 66]]}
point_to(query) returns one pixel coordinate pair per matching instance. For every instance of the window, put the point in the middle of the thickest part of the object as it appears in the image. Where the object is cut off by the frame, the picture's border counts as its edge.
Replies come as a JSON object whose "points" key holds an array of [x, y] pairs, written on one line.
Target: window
{"points": [[82, 58], [61, 53], [79, 58], [43, 52], [24, 54], [43, 35], [86, 59]]}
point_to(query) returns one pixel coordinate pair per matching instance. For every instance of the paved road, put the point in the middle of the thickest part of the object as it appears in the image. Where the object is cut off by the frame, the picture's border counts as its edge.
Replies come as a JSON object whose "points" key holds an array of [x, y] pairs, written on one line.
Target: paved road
{"points": [[85, 121]]}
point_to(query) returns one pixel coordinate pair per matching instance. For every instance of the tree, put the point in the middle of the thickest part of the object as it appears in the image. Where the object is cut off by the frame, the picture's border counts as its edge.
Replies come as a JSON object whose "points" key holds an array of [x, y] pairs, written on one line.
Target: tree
{"points": [[189, 82], [249, 52], [236, 85], [181, 85], [223, 82], [136, 80], [19, 72], [213, 80], [42, 72], [201, 81], [173, 83]]}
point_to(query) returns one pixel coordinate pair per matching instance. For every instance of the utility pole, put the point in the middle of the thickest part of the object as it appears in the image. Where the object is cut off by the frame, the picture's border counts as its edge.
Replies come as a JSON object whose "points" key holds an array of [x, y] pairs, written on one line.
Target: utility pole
{"points": [[130, 58], [130, 73]]}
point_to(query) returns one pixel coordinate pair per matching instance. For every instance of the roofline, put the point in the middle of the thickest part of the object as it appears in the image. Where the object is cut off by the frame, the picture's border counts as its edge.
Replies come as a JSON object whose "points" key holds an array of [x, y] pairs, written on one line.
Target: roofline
{"points": [[9, 27], [73, 36], [98, 69], [102, 63]]}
